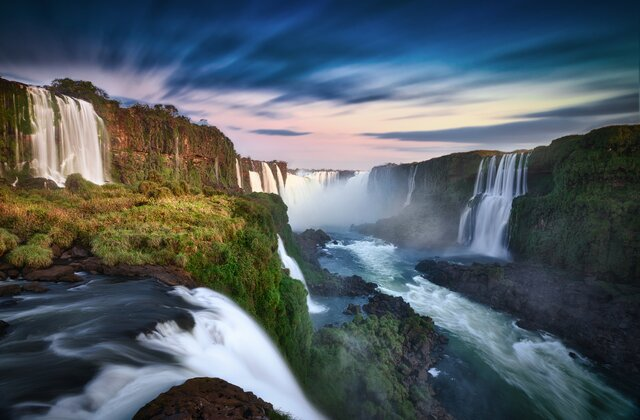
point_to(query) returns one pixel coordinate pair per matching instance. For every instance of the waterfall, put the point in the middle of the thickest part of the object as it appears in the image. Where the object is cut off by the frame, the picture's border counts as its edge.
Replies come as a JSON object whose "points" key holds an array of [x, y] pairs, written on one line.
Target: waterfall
{"points": [[238, 174], [485, 218], [296, 273], [67, 138], [255, 182], [221, 344], [269, 183], [280, 181], [412, 184]]}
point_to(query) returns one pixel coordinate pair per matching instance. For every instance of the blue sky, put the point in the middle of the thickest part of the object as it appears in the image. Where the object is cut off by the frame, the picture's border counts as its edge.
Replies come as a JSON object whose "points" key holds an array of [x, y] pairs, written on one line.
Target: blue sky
{"points": [[346, 84]]}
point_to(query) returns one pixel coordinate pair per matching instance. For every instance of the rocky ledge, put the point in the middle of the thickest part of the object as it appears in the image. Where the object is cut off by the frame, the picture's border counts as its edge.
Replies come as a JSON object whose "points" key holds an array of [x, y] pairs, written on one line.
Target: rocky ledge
{"points": [[334, 285], [207, 398], [599, 319], [310, 243]]}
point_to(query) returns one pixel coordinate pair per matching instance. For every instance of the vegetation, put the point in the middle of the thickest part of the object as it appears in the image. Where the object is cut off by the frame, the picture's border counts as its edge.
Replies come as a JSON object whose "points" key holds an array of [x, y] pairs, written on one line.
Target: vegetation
{"points": [[227, 243], [358, 370], [582, 211]]}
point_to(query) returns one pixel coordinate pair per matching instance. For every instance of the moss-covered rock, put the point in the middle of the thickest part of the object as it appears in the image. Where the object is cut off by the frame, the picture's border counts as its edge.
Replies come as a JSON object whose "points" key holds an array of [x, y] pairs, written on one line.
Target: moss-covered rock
{"points": [[582, 211]]}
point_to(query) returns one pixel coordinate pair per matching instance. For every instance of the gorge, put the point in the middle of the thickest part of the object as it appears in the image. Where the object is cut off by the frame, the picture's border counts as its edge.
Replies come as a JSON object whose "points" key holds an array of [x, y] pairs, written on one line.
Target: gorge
{"points": [[526, 284]]}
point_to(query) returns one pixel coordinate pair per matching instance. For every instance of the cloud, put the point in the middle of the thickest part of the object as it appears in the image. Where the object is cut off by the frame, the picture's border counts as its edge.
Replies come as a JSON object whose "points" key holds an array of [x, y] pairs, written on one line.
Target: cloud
{"points": [[624, 104], [520, 132], [273, 132]]}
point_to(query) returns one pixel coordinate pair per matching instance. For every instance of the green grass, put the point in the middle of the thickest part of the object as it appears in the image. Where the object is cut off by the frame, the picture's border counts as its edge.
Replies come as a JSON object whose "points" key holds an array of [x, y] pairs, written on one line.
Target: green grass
{"points": [[8, 241]]}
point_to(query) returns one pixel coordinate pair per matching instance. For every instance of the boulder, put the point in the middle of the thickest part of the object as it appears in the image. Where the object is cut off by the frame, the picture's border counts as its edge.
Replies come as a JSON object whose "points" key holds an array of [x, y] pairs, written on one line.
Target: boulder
{"points": [[352, 309], [206, 398], [10, 290], [381, 304], [61, 273], [334, 285], [34, 287]]}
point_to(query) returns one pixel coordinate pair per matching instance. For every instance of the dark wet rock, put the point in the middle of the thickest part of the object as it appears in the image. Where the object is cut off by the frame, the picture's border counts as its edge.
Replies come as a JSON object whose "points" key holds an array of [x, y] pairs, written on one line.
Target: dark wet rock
{"points": [[169, 275], [599, 319], [13, 273], [55, 273], [334, 285], [34, 287], [4, 326], [37, 183], [381, 304], [352, 309], [3, 275], [75, 252], [310, 243], [206, 398], [10, 290]]}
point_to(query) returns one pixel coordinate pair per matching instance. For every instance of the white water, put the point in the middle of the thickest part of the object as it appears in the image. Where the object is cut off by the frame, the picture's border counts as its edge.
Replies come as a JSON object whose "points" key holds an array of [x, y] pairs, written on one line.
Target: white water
{"points": [[296, 273], [412, 184], [76, 147], [222, 344], [322, 200], [254, 182], [238, 174], [557, 385], [269, 184], [485, 219], [280, 181]]}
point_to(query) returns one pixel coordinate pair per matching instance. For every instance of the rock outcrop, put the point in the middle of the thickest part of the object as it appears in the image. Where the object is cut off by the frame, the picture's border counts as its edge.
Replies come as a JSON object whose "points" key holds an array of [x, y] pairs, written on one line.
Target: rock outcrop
{"points": [[207, 398]]}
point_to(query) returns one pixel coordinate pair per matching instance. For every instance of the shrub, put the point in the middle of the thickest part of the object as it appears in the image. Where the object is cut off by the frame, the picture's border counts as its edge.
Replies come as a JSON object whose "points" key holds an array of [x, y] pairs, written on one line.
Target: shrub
{"points": [[8, 241], [32, 256], [78, 185]]}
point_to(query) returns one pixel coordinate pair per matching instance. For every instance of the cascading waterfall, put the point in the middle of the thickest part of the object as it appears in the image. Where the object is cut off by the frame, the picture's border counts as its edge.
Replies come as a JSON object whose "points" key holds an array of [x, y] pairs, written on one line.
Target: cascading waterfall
{"points": [[280, 181], [68, 141], [269, 184], [220, 343], [238, 174], [323, 200], [412, 184], [254, 182], [484, 221], [296, 273]]}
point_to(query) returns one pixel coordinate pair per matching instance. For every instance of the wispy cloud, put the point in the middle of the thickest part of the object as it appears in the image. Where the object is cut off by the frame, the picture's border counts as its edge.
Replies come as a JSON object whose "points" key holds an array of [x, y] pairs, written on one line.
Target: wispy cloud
{"points": [[273, 132]]}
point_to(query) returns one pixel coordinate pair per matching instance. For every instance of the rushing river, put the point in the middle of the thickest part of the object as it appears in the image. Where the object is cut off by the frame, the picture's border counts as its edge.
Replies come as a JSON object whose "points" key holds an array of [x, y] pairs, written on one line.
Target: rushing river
{"points": [[106, 347], [491, 367]]}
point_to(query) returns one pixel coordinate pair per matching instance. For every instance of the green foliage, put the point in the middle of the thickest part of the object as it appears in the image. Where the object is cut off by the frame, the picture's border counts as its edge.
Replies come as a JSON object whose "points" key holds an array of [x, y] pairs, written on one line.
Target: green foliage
{"points": [[582, 212], [8, 241], [228, 243], [77, 184], [31, 255], [365, 358]]}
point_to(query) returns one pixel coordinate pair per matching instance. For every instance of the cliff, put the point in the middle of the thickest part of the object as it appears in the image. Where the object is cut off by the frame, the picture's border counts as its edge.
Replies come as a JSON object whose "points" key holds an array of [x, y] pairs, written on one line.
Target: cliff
{"points": [[582, 211], [142, 139], [442, 188]]}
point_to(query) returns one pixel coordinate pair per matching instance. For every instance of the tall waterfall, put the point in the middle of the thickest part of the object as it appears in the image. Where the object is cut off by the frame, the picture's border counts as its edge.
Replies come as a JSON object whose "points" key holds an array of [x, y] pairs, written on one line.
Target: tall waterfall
{"points": [[296, 273], [280, 181], [269, 184], [238, 174], [412, 184], [484, 220], [71, 140], [254, 182]]}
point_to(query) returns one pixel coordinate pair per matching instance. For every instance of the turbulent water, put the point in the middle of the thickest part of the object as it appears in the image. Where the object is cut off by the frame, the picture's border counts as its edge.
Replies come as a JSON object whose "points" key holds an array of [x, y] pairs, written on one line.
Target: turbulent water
{"points": [[492, 368], [69, 137], [105, 348], [296, 273], [485, 219]]}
